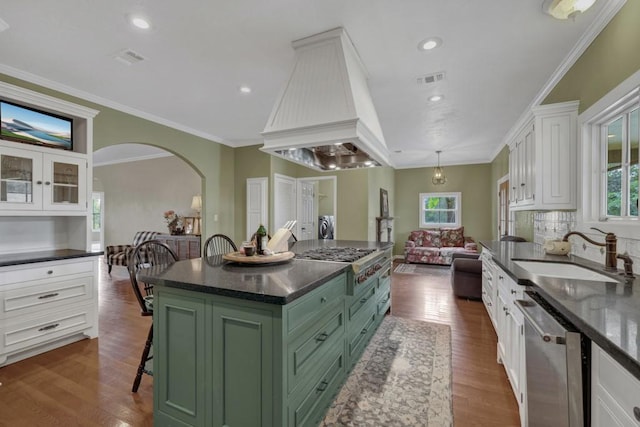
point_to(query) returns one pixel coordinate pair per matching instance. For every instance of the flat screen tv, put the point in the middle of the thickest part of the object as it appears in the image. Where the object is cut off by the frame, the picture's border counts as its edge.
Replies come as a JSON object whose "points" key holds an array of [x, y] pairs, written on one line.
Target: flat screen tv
{"points": [[31, 126]]}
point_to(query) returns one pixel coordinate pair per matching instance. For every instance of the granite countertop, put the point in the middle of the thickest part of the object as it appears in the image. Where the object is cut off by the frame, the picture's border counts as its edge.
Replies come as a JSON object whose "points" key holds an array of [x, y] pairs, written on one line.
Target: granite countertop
{"points": [[606, 312], [274, 284], [43, 256]]}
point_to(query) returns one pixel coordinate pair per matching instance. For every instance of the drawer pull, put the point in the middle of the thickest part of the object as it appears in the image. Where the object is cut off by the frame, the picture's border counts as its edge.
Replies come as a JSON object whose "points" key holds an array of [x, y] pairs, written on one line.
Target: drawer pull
{"points": [[363, 300], [47, 183], [39, 182], [386, 300], [323, 299], [322, 337], [364, 331], [49, 271], [636, 413], [55, 294], [323, 386], [49, 327]]}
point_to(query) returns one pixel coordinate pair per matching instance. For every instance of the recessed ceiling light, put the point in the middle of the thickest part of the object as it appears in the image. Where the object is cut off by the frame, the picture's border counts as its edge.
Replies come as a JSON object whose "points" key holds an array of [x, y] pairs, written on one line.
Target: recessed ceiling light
{"points": [[245, 89], [368, 163], [436, 98], [610, 135], [332, 166], [430, 43], [140, 22]]}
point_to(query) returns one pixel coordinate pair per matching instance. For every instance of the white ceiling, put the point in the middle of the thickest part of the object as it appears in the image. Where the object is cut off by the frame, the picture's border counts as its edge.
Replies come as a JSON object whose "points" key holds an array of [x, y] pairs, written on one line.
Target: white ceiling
{"points": [[498, 56]]}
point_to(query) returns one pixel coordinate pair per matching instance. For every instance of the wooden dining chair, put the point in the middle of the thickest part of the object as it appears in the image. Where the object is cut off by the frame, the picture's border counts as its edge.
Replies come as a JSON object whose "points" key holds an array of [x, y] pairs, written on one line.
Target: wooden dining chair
{"points": [[150, 253], [219, 244]]}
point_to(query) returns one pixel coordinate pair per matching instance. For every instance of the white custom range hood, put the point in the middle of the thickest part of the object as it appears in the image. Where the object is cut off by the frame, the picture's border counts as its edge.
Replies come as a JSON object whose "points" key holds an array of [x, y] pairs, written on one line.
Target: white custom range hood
{"points": [[325, 118]]}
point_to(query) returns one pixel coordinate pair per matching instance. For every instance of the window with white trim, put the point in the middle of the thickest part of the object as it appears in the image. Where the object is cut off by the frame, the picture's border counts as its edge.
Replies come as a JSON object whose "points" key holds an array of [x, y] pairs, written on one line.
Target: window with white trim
{"points": [[619, 148], [440, 210]]}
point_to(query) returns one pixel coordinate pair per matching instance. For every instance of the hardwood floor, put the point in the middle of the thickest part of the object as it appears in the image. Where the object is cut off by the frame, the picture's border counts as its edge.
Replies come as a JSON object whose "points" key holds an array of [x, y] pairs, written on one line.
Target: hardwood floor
{"points": [[88, 383], [482, 395]]}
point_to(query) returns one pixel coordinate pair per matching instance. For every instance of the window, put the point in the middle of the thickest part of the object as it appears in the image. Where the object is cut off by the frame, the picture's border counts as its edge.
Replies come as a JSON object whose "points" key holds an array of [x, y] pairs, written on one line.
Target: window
{"points": [[96, 212], [619, 144], [440, 210]]}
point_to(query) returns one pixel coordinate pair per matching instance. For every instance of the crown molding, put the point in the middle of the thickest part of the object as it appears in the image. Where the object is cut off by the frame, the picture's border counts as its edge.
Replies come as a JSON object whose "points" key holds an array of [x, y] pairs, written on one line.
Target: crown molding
{"points": [[53, 85], [606, 14], [133, 159]]}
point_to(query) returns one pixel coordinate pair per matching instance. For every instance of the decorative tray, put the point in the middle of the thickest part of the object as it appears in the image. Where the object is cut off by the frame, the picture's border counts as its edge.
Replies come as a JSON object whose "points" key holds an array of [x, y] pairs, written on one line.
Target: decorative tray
{"points": [[258, 259]]}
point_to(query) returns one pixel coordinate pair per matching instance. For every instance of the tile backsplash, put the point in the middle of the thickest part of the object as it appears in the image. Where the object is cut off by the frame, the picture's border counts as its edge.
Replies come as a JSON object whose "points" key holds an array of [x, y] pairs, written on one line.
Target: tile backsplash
{"points": [[555, 224]]}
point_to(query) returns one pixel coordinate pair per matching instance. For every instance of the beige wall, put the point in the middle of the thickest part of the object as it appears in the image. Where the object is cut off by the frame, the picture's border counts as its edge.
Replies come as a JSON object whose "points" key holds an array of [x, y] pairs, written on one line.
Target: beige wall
{"points": [[136, 194], [473, 181], [609, 60]]}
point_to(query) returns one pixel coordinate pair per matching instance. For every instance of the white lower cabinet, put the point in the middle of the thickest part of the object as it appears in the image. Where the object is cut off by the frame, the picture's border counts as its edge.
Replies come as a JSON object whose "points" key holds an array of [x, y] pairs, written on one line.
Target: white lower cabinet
{"points": [[509, 323], [45, 305], [615, 393], [489, 287]]}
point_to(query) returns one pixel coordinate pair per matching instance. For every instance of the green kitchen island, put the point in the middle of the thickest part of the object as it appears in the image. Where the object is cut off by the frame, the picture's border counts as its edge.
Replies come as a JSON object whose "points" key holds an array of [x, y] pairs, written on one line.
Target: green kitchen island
{"points": [[243, 346]]}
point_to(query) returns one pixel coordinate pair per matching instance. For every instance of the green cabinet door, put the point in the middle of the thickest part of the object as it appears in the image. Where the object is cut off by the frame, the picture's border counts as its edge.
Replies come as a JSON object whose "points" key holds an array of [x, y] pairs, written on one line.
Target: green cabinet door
{"points": [[180, 331], [242, 366]]}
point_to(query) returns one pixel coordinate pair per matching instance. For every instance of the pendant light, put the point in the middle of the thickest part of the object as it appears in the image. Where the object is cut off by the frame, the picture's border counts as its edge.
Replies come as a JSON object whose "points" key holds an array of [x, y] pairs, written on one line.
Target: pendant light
{"points": [[438, 174]]}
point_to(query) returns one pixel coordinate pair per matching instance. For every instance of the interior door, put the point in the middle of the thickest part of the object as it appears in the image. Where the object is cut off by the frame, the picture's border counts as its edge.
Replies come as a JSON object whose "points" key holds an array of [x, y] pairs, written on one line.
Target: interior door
{"points": [[308, 211], [284, 201], [257, 204]]}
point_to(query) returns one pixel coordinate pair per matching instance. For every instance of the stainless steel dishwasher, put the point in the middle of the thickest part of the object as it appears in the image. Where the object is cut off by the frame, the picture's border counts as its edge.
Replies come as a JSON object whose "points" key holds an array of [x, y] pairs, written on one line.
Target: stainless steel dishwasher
{"points": [[556, 368]]}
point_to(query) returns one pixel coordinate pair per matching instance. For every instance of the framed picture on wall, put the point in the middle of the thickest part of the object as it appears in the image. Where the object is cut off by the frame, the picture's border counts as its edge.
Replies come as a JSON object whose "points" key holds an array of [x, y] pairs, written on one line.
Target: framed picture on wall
{"points": [[384, 203]]}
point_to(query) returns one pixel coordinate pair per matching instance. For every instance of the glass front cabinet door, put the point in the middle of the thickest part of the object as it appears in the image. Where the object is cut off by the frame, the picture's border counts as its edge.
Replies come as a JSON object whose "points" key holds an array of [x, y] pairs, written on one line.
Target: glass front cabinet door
{"points": [[19, 172], [30, 180], [64, 185]]}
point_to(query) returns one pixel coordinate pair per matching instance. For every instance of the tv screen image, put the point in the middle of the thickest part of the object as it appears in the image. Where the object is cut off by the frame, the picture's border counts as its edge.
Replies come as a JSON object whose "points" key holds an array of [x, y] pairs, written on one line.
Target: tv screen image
{"points": [[23, 124]]}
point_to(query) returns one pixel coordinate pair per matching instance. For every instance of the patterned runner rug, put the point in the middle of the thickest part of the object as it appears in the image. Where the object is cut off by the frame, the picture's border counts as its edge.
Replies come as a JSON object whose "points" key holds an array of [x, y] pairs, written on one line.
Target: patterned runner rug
{"points": [[402, 379]]}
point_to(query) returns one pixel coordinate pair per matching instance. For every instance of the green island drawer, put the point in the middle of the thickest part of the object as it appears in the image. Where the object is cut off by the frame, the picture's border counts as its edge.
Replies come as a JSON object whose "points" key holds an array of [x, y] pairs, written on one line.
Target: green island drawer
{"points": [[307, 350], [308, 306], [360, 332], [361, 300], [311, 407], [384, 302]]}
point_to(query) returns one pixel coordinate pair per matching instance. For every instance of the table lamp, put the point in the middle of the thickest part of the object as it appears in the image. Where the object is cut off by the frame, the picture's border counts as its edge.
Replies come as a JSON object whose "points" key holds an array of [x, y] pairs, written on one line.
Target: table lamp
{"points": [[196, 205]]}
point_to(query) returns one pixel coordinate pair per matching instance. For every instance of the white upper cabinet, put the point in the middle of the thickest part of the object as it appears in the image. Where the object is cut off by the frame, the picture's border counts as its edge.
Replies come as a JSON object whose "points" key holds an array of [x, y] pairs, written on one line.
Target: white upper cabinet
{"points": [[542, 159]]}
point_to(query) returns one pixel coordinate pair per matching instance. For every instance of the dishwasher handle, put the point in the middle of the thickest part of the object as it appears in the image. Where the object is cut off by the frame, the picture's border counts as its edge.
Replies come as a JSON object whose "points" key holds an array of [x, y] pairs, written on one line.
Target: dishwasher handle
{"points": [[550, 333]]}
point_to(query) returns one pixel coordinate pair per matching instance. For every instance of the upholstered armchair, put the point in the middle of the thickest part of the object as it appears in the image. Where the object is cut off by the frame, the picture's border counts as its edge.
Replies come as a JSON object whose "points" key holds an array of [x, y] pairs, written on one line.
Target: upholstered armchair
{"points": [[118, 254]]}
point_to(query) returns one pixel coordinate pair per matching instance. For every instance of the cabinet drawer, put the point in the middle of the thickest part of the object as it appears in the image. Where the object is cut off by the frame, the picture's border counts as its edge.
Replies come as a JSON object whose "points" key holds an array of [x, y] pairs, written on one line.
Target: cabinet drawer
{"points": [[615, 386], [29, 272], [308, 410], [361, 300], [32, 299], [38, 330], [305, 353], [384, 302], [307, 307], [360, 332]]}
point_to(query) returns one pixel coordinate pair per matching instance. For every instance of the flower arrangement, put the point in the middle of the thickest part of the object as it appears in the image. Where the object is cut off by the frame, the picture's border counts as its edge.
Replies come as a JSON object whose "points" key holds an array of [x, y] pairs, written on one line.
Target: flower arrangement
{"points": [[174, 222]]}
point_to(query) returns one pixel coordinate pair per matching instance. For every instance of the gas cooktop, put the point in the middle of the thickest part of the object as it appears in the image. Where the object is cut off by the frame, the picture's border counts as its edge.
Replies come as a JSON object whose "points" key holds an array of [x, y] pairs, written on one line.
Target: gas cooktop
{"points": [[336, 254]]}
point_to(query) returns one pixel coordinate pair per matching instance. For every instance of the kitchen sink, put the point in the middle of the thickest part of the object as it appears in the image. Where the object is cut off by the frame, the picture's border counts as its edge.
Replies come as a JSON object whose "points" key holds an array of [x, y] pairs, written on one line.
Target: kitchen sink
{"points": [[562, 271]]}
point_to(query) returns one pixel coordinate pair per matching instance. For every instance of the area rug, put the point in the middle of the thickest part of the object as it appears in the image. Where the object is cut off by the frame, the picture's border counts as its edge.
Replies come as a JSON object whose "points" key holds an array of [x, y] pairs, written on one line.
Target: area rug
{"points": [[421, 269], [402, 379]]}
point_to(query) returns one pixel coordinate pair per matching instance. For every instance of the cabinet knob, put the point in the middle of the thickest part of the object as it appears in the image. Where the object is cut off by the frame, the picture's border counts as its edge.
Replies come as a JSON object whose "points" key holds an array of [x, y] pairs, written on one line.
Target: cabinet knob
{"points": [[323, 299], [522, 185], [39, 182], [50, 272], [513, 292], [47, 183]]}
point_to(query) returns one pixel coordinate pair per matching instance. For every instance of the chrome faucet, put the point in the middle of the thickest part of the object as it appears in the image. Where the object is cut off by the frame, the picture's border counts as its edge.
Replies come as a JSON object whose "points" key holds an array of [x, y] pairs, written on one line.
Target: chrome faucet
{"points": [[610, 243]]}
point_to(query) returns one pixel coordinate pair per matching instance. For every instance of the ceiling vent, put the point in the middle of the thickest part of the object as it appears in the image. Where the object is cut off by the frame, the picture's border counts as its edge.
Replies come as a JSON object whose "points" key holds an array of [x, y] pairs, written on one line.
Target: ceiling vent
{"points": [[129, 57], [431, 78]]}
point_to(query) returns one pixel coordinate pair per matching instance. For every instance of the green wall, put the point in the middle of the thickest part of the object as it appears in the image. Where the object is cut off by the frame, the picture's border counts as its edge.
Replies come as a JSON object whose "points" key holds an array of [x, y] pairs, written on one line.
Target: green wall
{"points": [[212, 161], [610, 59], [499, 168], [473, 181]]}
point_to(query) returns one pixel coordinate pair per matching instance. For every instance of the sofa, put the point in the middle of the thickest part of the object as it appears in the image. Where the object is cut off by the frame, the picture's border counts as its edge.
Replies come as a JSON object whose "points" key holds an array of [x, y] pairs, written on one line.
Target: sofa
{"points": [[437, 246]]}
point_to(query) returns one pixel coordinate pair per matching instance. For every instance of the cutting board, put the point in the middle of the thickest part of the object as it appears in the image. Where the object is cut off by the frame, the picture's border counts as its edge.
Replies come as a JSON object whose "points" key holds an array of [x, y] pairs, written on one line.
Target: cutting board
{"points": [[258, 259]]}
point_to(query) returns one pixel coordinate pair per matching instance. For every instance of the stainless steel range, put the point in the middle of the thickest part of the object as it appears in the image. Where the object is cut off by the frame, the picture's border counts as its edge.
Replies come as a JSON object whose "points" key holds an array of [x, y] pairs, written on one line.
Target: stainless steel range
{"points": [[366, 263]]}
